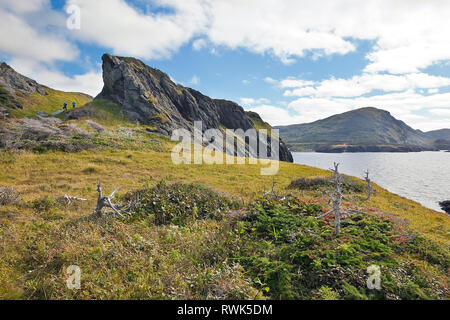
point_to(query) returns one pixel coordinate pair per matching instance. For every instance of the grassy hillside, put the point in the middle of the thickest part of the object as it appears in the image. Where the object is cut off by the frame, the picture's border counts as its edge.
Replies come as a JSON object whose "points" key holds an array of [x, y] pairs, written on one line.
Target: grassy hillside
{"points": [[209, 236], [49, 103], [361, 127]]}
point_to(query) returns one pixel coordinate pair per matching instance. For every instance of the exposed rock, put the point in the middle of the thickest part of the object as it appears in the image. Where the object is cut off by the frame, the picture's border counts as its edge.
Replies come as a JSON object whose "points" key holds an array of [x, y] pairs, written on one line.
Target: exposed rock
{"points": [[445, 205], [27, 133], [149, 96], [4, 113], [97, 127], [79, 113], [12, 81]]}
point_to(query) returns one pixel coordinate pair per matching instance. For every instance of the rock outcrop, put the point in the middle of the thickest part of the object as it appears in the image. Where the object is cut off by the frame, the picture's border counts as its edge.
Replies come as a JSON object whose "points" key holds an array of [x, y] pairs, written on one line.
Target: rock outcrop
{"points": [[445, 205], [149, 96], [12, 81], [13, 84], [51, 133]]}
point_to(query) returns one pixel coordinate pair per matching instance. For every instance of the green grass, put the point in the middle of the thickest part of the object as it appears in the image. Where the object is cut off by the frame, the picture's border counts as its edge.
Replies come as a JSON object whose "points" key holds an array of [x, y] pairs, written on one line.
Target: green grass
{"points": [[49, 103]]}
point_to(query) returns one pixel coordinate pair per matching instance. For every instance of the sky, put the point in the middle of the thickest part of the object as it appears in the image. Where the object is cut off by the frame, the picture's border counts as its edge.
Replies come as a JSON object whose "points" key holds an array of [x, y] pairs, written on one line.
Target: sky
{"points": [[292, 61]]}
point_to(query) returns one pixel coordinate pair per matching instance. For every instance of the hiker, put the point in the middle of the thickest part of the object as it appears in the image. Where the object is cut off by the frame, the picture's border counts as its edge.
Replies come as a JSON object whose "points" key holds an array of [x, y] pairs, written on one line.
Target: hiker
{"points": [[65, 106], [74, 104]]}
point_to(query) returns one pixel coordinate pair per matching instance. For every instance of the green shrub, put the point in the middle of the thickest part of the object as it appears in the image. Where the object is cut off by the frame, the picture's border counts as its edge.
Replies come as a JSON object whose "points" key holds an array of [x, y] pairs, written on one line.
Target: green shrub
{"points": [[43, 205], [298, 257], [317, 183], [178, 203]]}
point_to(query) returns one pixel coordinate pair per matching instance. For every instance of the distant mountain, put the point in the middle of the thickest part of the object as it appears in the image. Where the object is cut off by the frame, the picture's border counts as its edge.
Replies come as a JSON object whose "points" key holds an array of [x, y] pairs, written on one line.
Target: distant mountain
{"points": [[443, 134], [149, 96], [365, 129]]}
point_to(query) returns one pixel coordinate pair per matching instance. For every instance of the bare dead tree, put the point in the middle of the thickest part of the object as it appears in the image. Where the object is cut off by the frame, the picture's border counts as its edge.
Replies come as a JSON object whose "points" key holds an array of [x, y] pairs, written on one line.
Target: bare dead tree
{"points": [[105, 202], [272, 192], [336, 197], [369, 184]]}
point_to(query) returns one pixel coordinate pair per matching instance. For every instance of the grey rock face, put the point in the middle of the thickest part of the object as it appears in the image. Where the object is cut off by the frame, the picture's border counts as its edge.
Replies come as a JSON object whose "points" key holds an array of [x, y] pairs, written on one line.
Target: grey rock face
{"points": [[27, 133], [149, 96], [11, 80]]}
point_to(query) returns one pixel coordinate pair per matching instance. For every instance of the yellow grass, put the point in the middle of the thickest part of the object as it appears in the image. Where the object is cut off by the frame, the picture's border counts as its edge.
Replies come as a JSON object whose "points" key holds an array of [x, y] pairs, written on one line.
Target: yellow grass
{"points": [[55, 174]]}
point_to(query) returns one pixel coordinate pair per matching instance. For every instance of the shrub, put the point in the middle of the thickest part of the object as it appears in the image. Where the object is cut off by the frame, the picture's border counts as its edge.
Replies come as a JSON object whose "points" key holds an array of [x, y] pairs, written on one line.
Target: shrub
{"points": [[297, 256], [43, 205], [349, 184], [177, 203], [8, 196]]}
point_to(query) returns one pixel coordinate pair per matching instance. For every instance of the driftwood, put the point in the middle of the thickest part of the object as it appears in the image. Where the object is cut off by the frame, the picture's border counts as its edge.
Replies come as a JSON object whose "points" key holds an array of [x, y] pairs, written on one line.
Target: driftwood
{"points": [[336, 197], [105, 202], [369, 185], [272, 192], [70, 199]]}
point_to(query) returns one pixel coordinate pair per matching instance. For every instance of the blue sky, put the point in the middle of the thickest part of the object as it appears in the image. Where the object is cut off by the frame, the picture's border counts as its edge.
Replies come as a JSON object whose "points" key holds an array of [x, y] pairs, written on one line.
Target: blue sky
{"points": [[291, 61]]}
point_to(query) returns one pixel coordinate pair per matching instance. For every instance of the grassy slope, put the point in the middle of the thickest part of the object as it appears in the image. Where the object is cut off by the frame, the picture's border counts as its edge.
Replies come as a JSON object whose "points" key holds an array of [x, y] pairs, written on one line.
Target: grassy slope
{"points": [[138, 260], [49, 103]]}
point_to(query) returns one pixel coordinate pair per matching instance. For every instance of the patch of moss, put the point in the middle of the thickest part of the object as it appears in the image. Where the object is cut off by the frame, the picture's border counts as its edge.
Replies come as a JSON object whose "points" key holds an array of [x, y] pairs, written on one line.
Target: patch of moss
{"points": [[160, 117]]}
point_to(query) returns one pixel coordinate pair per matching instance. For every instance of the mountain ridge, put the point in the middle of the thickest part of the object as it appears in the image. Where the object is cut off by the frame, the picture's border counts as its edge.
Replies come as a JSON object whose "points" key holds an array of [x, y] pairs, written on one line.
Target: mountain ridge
{"points": [[364, 129]]}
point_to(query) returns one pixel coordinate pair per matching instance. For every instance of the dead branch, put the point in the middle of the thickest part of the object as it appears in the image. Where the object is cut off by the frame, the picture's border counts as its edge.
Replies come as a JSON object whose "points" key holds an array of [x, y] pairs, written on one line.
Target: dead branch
{"points": [[71, 199], [369, 185], [335, 201], [105, 202], [272, 192]]}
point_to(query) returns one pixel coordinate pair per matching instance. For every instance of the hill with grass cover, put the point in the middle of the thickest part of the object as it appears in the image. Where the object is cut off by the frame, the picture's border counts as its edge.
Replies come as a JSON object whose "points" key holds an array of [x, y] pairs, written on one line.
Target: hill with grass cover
{"points": [[23, 97], [366, 129], [194, 231]]}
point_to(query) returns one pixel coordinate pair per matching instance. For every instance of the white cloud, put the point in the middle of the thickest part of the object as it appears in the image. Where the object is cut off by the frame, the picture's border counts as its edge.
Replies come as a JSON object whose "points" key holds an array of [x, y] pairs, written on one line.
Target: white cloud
{"points": [[432, 91], [270, 80], [364, 84], [90, 82], [20, 39], [120, 27], [295, 83], [404, 105], [441, 113], [275, 116], [194, 80], [199, 44], [252, 101]]}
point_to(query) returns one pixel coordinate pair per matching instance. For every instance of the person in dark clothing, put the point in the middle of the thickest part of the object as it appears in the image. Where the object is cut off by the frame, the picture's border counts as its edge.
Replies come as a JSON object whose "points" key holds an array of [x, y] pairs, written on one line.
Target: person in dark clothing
{"points": [[74, 104], [65, 106]]}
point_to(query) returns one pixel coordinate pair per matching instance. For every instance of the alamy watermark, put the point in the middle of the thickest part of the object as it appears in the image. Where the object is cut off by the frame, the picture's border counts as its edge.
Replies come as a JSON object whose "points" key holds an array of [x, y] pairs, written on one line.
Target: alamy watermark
{"points": [[74, 277], [374, 279], [73, 22], [213, 146]]}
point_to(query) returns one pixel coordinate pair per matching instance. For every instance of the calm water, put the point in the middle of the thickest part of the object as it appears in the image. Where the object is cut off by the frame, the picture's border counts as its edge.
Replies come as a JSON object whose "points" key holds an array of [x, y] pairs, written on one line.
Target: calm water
{"points": [[420, 176]]}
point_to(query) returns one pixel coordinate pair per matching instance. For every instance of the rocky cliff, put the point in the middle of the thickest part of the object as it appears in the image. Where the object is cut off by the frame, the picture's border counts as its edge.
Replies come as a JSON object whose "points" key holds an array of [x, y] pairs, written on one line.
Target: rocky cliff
{"points": [[12, 85], [149, 96]]}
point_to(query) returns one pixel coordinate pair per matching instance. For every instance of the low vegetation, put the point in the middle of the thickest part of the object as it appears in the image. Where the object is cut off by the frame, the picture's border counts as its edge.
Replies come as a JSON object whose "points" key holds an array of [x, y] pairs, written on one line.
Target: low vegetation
{"points": [[203, 231], [51, 102]]}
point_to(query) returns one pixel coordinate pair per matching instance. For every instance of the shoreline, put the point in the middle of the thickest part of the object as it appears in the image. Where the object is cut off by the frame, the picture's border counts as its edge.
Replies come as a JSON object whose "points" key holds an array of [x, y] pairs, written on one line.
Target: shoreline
{"points": [[390, 188]]}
